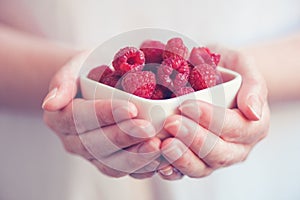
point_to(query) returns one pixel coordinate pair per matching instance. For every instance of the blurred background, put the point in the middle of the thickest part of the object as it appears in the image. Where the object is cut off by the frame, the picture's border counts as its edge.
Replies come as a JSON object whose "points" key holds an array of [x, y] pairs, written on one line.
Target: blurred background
{"points": [[34, 164]]}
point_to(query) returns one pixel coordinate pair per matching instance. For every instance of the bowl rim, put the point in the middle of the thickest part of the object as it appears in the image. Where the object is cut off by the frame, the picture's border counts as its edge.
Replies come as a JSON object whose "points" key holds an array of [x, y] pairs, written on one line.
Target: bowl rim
{"points": [[236, 77]]}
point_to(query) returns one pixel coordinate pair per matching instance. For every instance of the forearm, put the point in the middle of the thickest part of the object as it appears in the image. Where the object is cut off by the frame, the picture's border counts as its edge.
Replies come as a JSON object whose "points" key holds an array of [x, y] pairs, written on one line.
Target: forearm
{"points": [[279, 62], [27, 64]]}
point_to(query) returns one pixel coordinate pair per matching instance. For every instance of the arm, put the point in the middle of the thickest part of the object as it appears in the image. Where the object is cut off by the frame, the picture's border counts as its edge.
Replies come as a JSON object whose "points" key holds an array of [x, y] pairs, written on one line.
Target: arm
{"points": [[279, 63], [27, 64]]}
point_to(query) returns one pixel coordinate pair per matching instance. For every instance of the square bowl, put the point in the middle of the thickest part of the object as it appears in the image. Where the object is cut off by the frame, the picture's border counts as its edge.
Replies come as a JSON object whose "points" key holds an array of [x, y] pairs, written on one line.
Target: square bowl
{"points": [[156, 111]]}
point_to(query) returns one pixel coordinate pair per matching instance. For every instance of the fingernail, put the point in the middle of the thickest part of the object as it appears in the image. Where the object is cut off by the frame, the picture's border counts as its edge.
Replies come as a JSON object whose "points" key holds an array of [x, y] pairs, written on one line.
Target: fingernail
{"points": [[255, 105], [124, 112], [51, 95], [177, 128], [142, 131], [132, 110], [167, 171], [192, 110]]}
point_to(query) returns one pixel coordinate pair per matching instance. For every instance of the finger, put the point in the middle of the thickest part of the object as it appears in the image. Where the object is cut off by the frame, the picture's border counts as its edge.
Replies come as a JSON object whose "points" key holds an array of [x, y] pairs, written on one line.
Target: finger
{"points": [[135, 157], [151, 167], [253, 92], [147, 171], [170, 173], [229, 124], [73, 145], [183, 159], [83, 115], [92, 114], [167, 171], [110, 139], [107, 170], [142, 175], [214, 151], [63, 86]]}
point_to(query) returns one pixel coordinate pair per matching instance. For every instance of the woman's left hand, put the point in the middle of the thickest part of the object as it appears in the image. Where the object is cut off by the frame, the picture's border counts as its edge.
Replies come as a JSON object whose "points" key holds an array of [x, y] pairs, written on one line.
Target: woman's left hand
{"points": [[208, 137]]}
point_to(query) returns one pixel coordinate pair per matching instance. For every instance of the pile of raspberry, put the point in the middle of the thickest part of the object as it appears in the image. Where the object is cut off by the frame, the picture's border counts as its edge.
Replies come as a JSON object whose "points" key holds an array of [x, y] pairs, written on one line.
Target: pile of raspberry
{"points": [[160, 71]]}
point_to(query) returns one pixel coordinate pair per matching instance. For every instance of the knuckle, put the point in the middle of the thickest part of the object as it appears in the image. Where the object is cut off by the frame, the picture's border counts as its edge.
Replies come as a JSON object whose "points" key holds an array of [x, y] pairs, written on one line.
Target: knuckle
{"points": [[133, 162], [120, 140], [103, 116], [201, 173], [60, 121], [223, 162], [67, 121], [71, 145], [51, 121], [231, 134], [184, 162], [68, 148]]}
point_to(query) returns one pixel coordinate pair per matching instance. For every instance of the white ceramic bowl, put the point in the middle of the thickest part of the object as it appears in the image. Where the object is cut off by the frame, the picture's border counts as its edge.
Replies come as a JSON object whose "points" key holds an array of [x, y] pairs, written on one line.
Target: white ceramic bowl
{"points": [[157, 111]]}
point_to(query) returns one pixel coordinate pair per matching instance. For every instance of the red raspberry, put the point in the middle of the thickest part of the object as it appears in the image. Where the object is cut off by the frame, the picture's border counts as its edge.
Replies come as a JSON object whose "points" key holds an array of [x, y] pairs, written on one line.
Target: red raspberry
{"points": [[98, 72], [203, 76], [175, 46], [203, 55], [111, 79], [139, 83], [216, 58], [153, 51], [173, 72], [128, 59], [161, 92], [151, 67], [182, 91]]}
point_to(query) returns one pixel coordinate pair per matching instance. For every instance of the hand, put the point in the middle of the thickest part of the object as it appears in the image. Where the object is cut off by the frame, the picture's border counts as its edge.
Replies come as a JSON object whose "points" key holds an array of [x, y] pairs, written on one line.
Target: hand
{"points": [[208, 137], [105, 132]]}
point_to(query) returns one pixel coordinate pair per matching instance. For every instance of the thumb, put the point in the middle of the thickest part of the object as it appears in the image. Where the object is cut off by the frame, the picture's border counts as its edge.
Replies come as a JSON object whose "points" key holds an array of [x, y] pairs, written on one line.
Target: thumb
{"points": [[63, 87], [253, 92]]}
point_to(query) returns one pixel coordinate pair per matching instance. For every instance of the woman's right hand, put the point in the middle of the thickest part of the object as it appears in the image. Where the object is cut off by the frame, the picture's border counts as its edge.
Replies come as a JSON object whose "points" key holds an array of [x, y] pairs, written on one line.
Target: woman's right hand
{"points": [[105, 132]]}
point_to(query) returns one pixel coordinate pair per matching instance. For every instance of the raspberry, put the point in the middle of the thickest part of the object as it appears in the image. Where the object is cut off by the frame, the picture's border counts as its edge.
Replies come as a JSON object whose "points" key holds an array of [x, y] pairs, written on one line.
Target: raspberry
{"points": [[161, 92], [97, 73], [111, 79], [128, 59], [203, 55], [203, 76], [151, 67], [182, 91], [173, 72], [153, 51], [215, 58], [175, 46], [139, 83]]}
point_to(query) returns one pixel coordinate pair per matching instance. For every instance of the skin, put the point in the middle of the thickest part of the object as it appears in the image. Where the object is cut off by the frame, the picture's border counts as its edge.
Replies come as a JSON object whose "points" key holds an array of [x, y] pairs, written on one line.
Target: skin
{"points": [[234, 144], [57, 66], [233, 137], [32, 61]]}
